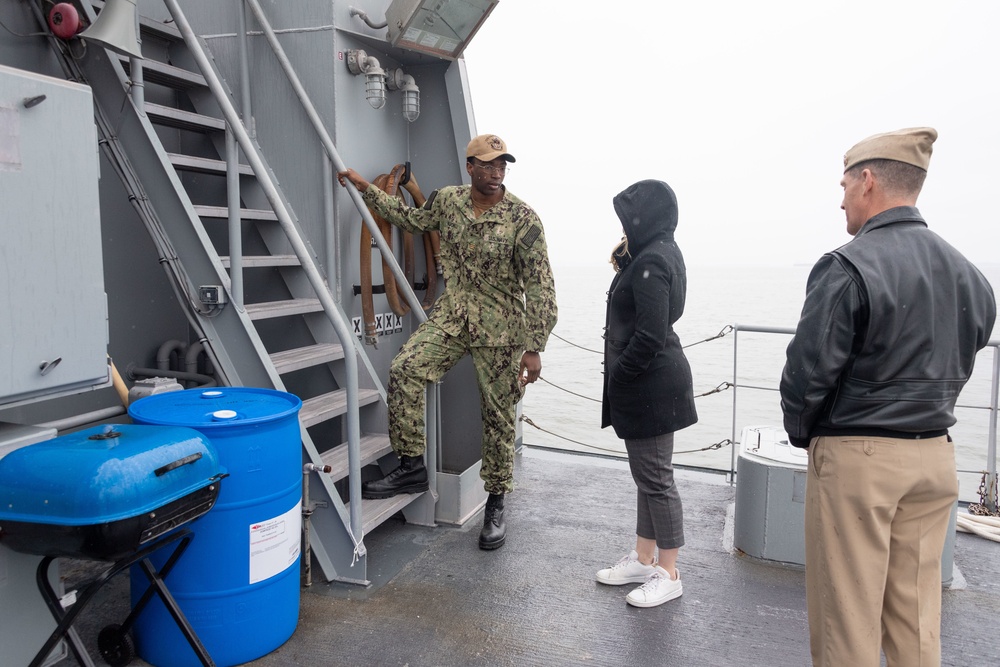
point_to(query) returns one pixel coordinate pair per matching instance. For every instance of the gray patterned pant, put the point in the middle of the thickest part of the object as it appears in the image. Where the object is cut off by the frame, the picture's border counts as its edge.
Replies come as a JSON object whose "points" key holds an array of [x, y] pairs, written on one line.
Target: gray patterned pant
{"points": [[659, 515], [426, 357]]}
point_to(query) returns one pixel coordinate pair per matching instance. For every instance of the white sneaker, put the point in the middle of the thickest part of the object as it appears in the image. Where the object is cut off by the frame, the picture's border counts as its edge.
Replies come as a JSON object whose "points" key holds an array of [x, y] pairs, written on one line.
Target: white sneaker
{"points": [[626, 571], [659, 588]]}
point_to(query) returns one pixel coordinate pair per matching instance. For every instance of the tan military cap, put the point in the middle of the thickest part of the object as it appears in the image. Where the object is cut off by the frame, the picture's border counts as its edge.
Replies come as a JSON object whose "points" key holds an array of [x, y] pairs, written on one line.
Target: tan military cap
{"points": [[488, 147], [912, 146]]}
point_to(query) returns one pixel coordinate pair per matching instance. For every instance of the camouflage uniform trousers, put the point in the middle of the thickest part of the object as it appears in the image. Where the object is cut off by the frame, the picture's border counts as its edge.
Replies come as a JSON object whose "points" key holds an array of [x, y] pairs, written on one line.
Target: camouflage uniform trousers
{"points": [[430, 353]]}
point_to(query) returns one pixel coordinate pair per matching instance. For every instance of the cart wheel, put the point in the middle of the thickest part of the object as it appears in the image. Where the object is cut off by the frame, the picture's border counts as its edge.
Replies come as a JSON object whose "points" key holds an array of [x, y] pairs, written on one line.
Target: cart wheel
{"points": [[115, 646]]}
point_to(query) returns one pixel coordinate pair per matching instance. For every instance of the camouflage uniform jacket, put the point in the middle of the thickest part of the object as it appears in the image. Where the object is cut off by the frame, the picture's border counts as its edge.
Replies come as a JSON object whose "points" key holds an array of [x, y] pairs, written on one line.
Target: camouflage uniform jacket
{"points": [[499, 282]]}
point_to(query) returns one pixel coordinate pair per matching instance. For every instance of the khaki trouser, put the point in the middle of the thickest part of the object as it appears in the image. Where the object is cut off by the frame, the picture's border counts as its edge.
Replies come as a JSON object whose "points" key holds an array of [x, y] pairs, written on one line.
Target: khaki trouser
{"points": [[877, 512], [426, 357]]}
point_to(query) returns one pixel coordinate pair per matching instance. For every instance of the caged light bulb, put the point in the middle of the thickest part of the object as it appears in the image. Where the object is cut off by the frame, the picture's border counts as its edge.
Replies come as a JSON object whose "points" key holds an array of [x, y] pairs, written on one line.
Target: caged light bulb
{"points": [[411, 101]]}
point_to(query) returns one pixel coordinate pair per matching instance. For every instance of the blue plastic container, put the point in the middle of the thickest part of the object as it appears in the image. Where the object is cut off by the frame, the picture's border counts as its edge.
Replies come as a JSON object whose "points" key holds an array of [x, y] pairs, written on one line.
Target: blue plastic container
{"points": [[238, 582]]}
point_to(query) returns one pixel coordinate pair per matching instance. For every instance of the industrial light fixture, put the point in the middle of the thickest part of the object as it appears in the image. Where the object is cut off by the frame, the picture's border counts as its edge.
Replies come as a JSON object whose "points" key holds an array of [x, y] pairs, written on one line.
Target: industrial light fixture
{"points": [[396, 79], [440, 28], [359, 62]]}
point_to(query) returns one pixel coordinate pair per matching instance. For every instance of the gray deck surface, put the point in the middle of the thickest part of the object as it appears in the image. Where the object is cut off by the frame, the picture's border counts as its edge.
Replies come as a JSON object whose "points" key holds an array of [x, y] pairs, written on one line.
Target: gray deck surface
{"points": [[437, 599]]}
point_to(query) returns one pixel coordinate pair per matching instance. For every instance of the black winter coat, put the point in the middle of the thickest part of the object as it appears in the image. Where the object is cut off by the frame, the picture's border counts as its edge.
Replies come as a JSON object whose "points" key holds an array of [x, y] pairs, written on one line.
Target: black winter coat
{"points": [[647, 380]]}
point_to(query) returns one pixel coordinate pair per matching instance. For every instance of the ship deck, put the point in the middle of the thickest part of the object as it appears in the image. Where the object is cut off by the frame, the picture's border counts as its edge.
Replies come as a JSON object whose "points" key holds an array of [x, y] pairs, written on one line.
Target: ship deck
{"points": [[436, 599]]}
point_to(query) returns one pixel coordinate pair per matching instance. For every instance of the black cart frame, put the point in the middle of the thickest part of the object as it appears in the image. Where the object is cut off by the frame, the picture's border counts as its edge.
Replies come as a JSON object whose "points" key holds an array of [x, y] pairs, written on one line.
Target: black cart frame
{"points": [[113, 642]]}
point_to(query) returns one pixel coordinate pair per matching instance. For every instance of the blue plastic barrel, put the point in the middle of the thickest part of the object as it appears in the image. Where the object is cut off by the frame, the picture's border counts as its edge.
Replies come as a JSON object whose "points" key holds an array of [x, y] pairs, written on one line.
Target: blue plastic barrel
{"points": [[238, 581]]}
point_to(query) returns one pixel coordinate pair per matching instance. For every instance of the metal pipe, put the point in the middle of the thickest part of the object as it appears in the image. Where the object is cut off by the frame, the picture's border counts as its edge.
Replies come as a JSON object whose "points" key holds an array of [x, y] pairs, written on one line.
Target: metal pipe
{"points": [[308, 507], [235, 224], [241, 16], [369, 22], [759, 329], [85, 418], [332, 233], [138, 87], [166, 349], [298, 245], [306, 514], [192, 355]]}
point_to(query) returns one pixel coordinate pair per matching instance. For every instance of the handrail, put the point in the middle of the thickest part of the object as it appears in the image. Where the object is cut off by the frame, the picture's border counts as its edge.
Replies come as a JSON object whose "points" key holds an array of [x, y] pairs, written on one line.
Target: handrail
{"points": [[301, 251], [991, 447], [434, 390], [331, 151]]}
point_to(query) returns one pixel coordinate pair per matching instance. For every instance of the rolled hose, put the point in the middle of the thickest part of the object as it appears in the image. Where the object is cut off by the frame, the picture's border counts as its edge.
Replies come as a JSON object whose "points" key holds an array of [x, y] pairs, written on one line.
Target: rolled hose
{"points": [[389, 183]]}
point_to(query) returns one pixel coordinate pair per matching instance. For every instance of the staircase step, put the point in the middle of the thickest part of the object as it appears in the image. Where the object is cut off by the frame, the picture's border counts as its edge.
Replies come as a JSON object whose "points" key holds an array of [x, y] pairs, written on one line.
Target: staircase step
{"points": [[203, 165], [160, 29], [166, 75], [373, 447], [306, 357], [375, 512], [327, 406], [183, 120], [263, 261], [222, 212], [269, 309]]}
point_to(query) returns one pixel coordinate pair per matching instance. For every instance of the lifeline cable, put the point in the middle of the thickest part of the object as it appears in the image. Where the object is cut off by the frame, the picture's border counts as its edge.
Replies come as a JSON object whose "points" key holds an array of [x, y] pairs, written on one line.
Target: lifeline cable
{"points": [[728, 329], [527, 420], [719, 388]]}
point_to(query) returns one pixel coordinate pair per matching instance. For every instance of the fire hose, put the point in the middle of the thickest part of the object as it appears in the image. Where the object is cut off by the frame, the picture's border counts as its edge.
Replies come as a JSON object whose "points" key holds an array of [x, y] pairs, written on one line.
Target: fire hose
{"points": [[400, 175]]}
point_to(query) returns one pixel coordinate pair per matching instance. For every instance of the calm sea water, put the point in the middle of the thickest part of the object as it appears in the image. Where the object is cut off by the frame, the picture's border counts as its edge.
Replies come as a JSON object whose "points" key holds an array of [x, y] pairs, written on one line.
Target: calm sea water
{"points": [[567, 404]]}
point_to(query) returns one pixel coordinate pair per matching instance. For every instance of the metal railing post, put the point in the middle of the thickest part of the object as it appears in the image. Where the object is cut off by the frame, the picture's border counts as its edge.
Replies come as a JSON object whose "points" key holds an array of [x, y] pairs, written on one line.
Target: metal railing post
{"points": [[732, 438], [241, 16], [330, 225], [235, 224], [991, 447], [138, 85]]}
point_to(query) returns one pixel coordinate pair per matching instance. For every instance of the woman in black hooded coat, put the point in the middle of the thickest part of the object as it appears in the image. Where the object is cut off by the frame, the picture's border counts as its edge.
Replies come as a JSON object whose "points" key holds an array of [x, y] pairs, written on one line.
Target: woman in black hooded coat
{"points": [[648, 393]]}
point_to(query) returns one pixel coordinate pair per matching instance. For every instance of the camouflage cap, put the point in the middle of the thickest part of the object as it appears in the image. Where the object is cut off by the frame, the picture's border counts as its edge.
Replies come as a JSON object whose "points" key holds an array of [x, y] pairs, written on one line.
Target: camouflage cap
{"points": [[488, 147], [911, 145]]}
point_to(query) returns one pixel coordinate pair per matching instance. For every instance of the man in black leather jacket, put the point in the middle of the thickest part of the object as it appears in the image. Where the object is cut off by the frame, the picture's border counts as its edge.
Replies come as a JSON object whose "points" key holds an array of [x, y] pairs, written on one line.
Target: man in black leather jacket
{"points": [[887, 339]]}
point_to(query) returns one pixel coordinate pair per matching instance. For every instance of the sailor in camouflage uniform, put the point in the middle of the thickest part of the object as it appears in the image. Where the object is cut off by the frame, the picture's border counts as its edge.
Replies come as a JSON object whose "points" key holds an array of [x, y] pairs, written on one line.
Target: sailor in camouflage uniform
{"points": [[499, 306]]}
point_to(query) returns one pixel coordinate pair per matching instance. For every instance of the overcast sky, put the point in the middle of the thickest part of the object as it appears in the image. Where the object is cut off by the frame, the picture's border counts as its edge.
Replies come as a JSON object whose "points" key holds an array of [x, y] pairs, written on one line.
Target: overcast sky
{"points": [[745, 108]]}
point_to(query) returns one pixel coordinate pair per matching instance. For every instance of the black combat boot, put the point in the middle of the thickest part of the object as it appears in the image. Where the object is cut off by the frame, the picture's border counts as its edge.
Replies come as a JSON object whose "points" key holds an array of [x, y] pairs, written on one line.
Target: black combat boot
{"points": [[409, 477], [494, 527]]}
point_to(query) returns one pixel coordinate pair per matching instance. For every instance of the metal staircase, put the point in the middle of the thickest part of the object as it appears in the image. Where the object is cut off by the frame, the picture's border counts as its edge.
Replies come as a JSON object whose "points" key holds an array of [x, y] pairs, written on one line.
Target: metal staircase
{"points": [[201, 185]]}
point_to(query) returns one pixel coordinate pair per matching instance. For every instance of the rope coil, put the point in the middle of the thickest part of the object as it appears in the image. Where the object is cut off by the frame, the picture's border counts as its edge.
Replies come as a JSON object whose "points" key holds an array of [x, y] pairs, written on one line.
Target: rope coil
{"points": [[983, 526]]}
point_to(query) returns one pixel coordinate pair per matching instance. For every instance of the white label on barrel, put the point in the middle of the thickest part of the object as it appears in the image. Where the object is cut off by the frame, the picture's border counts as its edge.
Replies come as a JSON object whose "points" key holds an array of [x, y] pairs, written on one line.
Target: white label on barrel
{"points": [[274, 544]]}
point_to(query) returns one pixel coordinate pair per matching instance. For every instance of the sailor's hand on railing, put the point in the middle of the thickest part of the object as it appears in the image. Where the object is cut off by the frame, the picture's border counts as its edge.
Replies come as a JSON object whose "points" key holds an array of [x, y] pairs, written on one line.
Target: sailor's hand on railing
{"points": [[354, 177]]}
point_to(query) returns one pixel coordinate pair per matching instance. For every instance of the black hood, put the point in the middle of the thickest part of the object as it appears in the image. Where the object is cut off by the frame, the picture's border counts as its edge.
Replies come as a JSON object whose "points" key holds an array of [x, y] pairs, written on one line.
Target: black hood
{"points": [[647, 210]]}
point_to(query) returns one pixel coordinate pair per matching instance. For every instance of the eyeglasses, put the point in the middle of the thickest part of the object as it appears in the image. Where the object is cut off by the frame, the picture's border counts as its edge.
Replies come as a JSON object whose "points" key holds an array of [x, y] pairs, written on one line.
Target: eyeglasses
{"points": [[498, 170]]}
